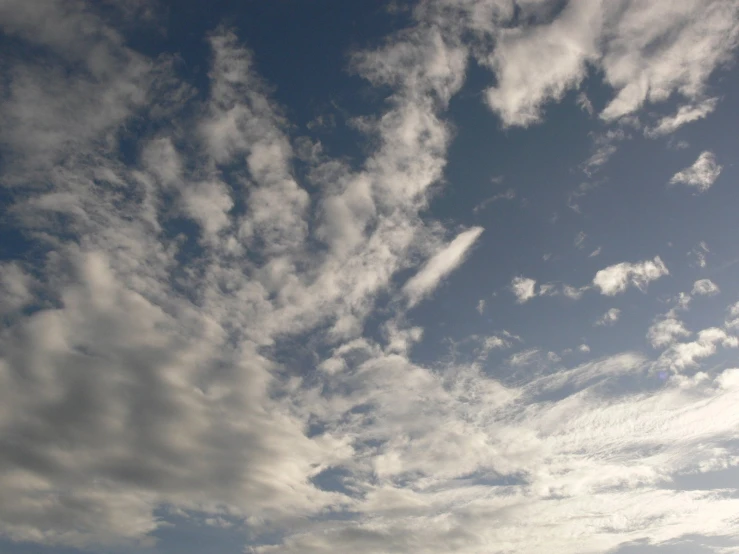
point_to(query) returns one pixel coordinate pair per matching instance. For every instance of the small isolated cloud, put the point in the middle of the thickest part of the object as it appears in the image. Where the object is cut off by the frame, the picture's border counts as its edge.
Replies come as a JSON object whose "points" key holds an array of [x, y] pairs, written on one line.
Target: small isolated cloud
{"points": [[685, 114], [604, 146], [573, 199], [523, 288], [584, 348], [580, 240], [440, 265], [573, 293], [525, 357], [705, 287], [595, 252], [609, 318], [510, 194], [617, 278], [480, 306], [585, 104], [699, 253], [666, 331], [701, 175]]}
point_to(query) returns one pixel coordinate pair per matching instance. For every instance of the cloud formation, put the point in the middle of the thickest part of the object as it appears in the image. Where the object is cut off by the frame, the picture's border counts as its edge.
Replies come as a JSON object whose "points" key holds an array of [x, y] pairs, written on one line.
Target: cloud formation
{"points": [[701, 175], [609, 318], [440, 265], [523, 288], [617, 278], [208, 322]]}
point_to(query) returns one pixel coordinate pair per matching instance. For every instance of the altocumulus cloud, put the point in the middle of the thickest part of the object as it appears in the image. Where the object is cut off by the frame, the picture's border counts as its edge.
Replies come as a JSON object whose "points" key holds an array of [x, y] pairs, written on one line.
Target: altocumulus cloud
{"points": [[152, 339]]}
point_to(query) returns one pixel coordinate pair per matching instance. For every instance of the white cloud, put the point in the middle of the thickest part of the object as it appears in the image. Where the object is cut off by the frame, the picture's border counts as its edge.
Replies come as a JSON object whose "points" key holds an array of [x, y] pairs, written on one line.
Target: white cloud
{"points": [[524, 358], [480, 306], [584, 348], [666, 331], [699, 253], [162, 371], [585, 104], [572, 292], [509, 194], [440, 265], [685, 114], [523, 288], [686, 354], [701, 175], [595, 252], [616, 278], [705, 287], [609, 318], [646, 51]]}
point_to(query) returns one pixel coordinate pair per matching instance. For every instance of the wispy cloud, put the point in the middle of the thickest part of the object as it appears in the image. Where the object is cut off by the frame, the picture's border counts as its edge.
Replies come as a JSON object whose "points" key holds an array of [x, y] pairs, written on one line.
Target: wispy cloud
{"points": [[440, 265], [509, 194], [685, 114]]}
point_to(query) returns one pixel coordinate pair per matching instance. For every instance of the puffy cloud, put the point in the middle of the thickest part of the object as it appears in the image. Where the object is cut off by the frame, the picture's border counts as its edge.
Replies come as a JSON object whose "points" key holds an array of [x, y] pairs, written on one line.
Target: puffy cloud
{"points": [[616, 278], [609, 318], [686, 354], [666, 331], [523, 288], [701, 175], [705, 287], [440, 265]]}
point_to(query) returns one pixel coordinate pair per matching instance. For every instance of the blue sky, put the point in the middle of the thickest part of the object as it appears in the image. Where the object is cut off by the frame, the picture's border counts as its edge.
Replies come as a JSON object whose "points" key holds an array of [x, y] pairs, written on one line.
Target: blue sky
{"points": [[309, 277]]}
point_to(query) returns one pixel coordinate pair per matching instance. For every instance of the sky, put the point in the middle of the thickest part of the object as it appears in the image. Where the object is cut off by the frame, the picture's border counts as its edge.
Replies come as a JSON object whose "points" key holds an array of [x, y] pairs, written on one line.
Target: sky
{"points": [[450, 276]]}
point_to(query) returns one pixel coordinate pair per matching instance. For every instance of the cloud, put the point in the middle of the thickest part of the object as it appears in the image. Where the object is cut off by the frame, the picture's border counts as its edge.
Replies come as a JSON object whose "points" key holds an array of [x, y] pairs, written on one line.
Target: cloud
{"points": [[153, 355], [149, 372], [573, 292], [523, 288], [580, 239], [685, 114], [616, 278], [524, 358], [699, 253], [480, 306], [585, 104], [646, 52], [440, 265], [701, 175], [666, 331], [609, 318], [686, 354], [509, 194], [595, 252], [705, 287]]}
